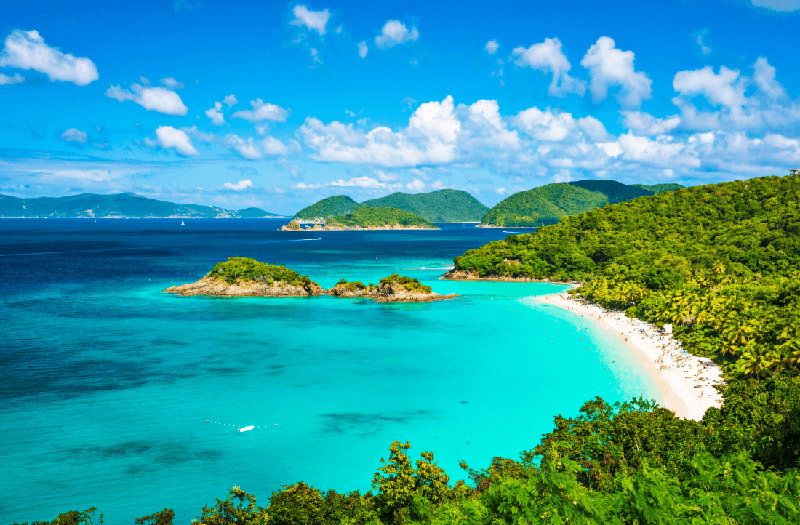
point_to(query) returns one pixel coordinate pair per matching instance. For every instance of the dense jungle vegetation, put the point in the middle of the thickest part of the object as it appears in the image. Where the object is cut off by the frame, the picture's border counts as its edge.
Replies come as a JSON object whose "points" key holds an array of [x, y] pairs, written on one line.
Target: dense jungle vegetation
{"points": [[722, 264], [247, 269], [549, 203], [410, 284], [365, 216]]}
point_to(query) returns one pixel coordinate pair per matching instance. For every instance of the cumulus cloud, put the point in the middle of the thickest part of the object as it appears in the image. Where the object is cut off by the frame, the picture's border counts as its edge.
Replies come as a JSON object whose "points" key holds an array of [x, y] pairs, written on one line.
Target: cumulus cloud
{"points": [[395, 32], [768, 107], [215, 114], [609, 66], [16, 79], [247, 149], [491, 47], [313, 20], [274, 147], [646, 124], [262, 111], [157, 99], [230, 100], [27, 50], [547, 57], [362, 49], [416, 186], [242, 184], [168, 137], [75, 135], [171, 83]]}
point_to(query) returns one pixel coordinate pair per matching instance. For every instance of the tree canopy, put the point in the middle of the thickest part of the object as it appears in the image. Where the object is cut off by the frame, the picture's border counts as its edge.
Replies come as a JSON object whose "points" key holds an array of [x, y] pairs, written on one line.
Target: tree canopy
{"points": [[366, 216]]}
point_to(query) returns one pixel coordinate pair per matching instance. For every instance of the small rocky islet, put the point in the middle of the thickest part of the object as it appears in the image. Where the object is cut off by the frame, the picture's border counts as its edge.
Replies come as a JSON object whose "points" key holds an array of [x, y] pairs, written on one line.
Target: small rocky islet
{"points": [[246, 277]]}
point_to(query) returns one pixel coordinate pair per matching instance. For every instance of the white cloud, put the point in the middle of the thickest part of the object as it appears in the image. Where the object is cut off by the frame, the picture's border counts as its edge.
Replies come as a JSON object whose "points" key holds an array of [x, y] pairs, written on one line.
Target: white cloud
{"points": [[27, 50], [171, 83], [547, 57], [151, 98], [491, 47], [75, 135], [646, 124], [409, 101], [215, 114], [242, 184], [415, 186], [500, 190], [778, 5], [304, 186], [246, 148], [700, 39], [16, 79], [205, 137], [384, 176], [313, 20], [764, 78], [362, 49], [169, 137], [263, 111], [609, 66], [768, 107], [546, 125], [274, 147], [395, 32], [230, 100], [359, 182]]}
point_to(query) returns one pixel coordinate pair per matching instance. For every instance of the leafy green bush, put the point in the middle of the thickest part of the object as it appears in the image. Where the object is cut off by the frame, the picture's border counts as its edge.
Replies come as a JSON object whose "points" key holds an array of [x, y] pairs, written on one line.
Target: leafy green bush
{"points": [[246, 269]]}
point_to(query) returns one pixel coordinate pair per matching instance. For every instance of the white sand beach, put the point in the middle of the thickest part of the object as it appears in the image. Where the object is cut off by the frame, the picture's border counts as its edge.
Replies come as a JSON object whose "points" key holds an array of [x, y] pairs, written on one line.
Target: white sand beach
{"points": [[686, 381]]}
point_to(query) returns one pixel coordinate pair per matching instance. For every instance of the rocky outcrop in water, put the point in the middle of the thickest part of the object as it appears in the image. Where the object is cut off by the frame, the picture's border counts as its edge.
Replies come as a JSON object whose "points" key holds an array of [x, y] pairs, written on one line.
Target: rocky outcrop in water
{"points": [[241, 288]]}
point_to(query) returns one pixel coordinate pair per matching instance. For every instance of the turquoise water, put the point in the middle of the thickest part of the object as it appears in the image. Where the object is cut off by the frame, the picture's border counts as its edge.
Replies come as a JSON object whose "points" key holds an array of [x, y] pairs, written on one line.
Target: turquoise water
{"points": [[107, 383]]}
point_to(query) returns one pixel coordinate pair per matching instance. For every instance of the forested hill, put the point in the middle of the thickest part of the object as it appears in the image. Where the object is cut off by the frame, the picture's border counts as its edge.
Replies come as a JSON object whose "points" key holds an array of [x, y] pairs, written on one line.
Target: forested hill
{"points": [[328, 207], [379, 217], [548, 204], [115, 205], [437, 206]]}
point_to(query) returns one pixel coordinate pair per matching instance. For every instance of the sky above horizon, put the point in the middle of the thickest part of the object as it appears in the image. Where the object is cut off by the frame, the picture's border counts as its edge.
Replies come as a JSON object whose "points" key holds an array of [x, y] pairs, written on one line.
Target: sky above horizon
{"points": [[277, 105]]}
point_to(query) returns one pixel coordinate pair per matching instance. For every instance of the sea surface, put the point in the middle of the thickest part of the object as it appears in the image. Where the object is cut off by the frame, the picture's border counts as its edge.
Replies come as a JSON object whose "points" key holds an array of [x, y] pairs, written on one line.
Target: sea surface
{"points": [[117, 396]]}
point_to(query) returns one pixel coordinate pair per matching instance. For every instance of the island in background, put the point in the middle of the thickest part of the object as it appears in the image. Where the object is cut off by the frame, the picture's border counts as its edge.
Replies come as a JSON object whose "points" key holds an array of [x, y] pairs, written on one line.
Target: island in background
{"points": [[368, 218], [118, 205]]}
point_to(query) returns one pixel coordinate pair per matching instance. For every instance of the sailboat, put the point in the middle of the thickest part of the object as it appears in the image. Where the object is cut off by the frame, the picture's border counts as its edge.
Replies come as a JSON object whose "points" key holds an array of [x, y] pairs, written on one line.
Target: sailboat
{"points": [[182, 224]]}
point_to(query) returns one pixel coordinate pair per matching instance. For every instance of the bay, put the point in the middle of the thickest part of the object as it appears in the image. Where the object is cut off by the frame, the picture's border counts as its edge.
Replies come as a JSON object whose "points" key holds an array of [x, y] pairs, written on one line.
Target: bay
{"points": [[118, 396]]}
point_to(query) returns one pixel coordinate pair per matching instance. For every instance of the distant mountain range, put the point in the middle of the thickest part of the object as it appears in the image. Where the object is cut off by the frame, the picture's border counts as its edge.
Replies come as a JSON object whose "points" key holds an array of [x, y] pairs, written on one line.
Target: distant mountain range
{"points": [[436, 206], [115, 205], [549, 203]]}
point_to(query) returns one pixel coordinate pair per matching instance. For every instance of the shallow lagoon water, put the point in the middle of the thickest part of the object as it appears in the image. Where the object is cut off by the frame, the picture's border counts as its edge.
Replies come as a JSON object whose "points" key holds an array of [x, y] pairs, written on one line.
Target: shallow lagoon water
{"points": [[107, 383]]}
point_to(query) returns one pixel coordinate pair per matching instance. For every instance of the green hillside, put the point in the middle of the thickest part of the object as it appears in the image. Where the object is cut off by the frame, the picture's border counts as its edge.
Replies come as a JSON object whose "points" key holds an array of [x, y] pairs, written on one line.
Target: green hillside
{"points": [[328, 207], [437, 206], [366, 216], [543, 205], [254, 213], [548, 204], [115, 205]]}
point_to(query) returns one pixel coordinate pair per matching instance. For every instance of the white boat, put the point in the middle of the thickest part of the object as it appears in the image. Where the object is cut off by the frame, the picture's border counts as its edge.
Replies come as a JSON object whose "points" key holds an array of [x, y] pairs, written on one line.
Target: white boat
{"points": [[182, 224], [245, 429]]}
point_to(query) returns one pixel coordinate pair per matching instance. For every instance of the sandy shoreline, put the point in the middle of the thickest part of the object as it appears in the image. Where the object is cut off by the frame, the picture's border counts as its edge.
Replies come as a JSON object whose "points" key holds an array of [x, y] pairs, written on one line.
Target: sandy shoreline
{"points": [[684, 380]]}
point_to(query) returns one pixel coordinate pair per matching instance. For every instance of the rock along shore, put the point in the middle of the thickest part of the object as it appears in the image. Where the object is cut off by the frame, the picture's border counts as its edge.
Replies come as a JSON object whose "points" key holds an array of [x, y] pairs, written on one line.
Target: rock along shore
{"points": [[460, 275], [383, 293]]}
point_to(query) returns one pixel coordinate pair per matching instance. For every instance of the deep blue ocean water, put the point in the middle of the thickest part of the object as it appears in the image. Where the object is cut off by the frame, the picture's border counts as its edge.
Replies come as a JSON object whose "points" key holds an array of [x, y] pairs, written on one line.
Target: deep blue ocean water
{"points": [[106, 384]]}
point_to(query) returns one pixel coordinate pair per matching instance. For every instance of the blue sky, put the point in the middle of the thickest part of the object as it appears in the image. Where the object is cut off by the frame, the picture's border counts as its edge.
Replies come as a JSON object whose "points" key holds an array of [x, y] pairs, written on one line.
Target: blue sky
{"points": [[277, 105]]}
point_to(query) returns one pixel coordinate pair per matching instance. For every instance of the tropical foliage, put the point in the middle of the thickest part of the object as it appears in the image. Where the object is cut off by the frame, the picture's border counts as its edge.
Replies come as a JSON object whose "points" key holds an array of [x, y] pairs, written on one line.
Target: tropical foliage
{"points": [[247, 269], [366, 216], [548, 204], [411, 285], [328, 207], [437, 206]]}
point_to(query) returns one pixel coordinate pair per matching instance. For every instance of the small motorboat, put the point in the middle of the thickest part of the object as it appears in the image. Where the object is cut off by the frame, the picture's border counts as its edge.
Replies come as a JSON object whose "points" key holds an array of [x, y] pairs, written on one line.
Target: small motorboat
{"points": [[245, 429]]}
